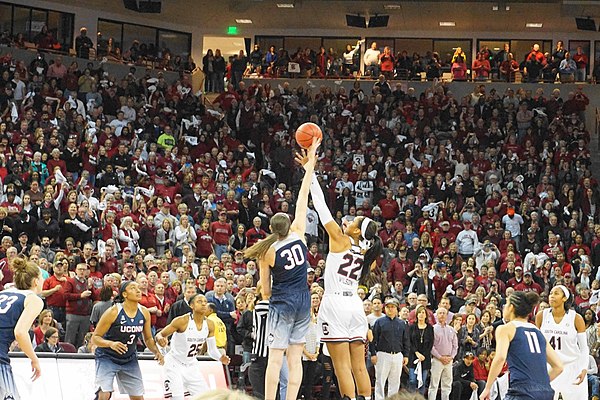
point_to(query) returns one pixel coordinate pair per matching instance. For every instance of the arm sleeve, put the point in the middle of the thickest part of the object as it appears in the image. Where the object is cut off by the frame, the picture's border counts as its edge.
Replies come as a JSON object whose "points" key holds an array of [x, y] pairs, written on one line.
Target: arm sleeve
{"points": [[584, 351], [211, 345], [319, 201]]}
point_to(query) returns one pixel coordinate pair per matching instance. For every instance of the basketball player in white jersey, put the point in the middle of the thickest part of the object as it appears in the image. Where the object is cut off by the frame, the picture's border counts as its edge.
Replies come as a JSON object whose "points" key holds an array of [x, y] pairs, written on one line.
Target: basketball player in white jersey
{"points": [[564, 330], [190, 332], [342, 321]]}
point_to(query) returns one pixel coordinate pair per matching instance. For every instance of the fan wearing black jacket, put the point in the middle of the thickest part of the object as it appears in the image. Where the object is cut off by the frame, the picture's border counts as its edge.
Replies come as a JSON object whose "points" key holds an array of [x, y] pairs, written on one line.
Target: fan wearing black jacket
{"points": [[464, 378]]}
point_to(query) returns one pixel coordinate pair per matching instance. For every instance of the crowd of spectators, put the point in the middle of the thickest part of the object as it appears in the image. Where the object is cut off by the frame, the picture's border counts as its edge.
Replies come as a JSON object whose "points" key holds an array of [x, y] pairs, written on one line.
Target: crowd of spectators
{"points": [[503, 65], [106, 49], [106, 179]]}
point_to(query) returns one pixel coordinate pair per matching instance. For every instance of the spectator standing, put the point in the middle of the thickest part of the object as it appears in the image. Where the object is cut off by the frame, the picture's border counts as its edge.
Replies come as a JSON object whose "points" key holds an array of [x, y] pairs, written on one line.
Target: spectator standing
{"points": [[467, 241], [581, 59], [220, 67], [389, 348], [221, 232], [83, 44], [567, 69], [54, 292], [371, 60], [420, 334], [225, 308], [208, 67], [79, 306], [445, 348]]}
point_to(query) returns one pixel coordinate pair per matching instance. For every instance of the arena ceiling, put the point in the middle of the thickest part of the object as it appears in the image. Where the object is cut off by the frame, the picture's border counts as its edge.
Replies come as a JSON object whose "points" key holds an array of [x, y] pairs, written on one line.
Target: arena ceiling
{"points": [[407, 15]]}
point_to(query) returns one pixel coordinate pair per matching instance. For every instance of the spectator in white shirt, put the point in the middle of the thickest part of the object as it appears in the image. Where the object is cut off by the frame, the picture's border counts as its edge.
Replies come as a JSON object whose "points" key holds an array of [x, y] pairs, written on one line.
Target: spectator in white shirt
{"points": [[371, 60]]}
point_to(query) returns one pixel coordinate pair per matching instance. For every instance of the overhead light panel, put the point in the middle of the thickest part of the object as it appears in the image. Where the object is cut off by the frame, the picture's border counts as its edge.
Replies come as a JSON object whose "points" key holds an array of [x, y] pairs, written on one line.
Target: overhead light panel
{"points": [[393, 7], [285, 5], [447, 23], [534, 25], [243, 21]]}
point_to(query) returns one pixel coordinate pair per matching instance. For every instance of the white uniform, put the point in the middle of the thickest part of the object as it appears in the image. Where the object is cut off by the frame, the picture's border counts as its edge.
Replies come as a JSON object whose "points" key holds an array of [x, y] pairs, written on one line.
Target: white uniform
{"points": [[563, 338], [341, 316], [183, 371]]}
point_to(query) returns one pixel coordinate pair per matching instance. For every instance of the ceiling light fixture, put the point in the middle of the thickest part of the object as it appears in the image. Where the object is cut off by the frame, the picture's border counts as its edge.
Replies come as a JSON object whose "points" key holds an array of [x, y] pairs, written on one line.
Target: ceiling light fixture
{"points": [[534, 25], [447, 23], [393, 6], [285, 5], [243, 21]]}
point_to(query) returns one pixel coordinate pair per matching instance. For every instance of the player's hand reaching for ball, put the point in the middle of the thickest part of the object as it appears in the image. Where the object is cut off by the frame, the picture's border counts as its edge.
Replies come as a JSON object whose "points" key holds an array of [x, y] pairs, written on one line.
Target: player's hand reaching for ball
{"points": [[118, 347], [225, 359]]}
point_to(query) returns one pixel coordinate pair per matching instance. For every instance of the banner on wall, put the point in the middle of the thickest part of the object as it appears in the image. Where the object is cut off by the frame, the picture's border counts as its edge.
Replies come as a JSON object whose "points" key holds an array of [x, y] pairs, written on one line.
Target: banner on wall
{"points": [[71, 377]]}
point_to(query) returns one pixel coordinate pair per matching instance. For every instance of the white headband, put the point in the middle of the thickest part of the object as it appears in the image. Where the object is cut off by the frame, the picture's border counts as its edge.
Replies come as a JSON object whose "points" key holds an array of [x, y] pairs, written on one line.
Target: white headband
{"points": [[364, 243], [564, 290]]}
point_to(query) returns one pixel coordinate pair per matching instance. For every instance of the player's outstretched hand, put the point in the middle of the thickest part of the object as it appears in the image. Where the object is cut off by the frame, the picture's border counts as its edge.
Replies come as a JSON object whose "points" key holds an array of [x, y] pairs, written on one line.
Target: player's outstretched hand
{"points": [[301, 157], [120, 348], [225, 360], [35, 369], [160, 358]]}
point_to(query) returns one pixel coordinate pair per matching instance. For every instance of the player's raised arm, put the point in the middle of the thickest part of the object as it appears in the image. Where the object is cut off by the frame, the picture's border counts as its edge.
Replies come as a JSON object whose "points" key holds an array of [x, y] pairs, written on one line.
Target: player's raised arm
{"points": [[309, 162], [148, 339]]}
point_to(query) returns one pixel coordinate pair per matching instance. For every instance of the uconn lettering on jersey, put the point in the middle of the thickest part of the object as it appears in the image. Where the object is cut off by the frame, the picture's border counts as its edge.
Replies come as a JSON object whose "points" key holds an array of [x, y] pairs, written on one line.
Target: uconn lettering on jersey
{"points": [[131, 329]]}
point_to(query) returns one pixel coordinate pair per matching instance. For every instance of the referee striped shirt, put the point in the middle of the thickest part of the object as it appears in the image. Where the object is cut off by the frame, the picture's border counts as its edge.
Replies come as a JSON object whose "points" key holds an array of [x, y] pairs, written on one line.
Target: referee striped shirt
{"points": [[259, 329]]}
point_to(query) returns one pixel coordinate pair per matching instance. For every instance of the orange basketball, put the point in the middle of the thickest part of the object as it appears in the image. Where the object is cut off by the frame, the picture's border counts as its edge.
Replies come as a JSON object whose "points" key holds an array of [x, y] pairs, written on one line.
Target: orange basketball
{"points": [[305, 134]]}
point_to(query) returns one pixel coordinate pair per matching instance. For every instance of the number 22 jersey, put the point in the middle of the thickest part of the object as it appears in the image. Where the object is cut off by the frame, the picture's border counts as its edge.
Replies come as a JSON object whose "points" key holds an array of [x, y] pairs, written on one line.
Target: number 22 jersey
{"points": [[342, 272]]}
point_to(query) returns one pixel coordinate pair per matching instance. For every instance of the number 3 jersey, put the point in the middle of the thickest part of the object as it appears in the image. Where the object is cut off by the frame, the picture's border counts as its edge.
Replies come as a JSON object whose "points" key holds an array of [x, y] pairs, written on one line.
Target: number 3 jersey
{"points": [[124, 329], [12, 304], [291, 268], [186, 345], [563, 336]]}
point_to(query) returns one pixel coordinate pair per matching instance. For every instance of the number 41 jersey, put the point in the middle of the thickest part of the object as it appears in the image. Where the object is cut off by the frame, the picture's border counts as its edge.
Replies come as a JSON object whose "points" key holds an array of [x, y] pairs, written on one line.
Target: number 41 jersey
{"points": [[12, 304], [563, 336], [342, 272]]}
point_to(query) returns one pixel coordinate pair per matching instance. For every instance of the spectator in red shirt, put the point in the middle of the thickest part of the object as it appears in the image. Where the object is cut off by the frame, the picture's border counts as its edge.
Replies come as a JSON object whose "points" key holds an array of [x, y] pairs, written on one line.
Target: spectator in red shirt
{"points": [[79, 306], [149, 301], [220, 232], [54, 291], [313, 256], [528, 284], [389, 206], [255, 233]]}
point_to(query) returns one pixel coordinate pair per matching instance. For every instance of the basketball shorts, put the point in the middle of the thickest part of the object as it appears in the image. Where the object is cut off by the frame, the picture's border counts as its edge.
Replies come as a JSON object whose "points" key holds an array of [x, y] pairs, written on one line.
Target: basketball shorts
{"points": [[529, 391], [342, 319], [288, 319], [128, 375], [8, 387], [563, 384], [183, 379]]}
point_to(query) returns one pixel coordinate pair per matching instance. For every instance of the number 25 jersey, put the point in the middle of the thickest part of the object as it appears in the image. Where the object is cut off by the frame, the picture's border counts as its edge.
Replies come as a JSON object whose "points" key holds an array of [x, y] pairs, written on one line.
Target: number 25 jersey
{"points": [[342, 272]]}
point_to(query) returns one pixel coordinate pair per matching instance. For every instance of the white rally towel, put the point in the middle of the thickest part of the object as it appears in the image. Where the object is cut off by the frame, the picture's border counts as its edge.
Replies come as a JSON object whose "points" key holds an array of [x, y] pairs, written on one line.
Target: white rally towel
{"points": [[474, 395], [419, 373], [500, 388]]}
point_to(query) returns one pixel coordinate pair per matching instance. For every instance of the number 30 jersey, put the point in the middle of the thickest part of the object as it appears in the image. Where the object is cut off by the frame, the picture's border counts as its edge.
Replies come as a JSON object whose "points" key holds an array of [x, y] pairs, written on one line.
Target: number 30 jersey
{"points": [[12, 304], [342, 272], [291, 267], [563, 336], [186, 345]]}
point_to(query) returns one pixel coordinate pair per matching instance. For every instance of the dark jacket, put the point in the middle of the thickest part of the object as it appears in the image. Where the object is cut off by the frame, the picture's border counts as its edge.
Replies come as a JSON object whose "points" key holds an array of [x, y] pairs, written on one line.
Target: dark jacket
{"points": [[424, 347], [45, 348], [244, 329]]}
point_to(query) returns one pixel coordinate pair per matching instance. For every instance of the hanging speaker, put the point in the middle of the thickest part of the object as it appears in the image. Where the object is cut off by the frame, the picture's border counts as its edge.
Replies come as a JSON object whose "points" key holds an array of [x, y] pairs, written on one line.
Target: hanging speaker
{"points": [[585, 24], [379, 21]]}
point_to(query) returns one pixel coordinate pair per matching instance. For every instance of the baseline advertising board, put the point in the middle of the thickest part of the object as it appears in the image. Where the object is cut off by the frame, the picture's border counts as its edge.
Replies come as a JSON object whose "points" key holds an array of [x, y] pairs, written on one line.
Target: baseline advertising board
{"points": [[71, 377]]}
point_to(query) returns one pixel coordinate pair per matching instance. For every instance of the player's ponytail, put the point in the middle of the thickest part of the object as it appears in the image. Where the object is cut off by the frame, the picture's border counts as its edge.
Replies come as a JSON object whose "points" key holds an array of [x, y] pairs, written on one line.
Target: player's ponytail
{"points": [[280, 227], [368, 234], [25, 272], [523, 303]]}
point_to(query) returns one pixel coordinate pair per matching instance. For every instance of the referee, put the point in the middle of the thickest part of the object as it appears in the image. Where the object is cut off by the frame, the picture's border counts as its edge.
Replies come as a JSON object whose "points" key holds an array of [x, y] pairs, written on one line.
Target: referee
{"points": [[260, 350], [391, 345]]}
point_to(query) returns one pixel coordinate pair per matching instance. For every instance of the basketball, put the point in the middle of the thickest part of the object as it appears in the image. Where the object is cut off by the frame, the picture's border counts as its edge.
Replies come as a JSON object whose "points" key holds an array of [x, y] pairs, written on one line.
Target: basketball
{"points": [[305, 134]]}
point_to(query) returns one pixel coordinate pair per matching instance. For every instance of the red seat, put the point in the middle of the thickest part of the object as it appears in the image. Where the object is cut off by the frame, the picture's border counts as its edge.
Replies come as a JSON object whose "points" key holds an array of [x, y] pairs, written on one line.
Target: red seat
{"points": [[68, 347]]}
